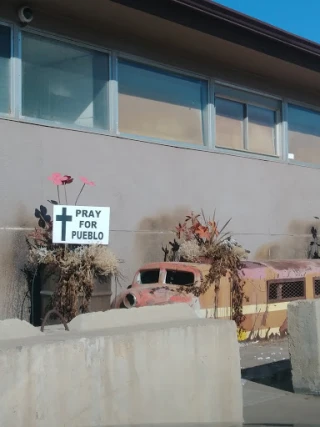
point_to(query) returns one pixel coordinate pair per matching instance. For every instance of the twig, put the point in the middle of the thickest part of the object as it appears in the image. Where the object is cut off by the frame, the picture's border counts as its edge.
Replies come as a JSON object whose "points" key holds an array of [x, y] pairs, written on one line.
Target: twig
{"points": [[65, 192], [79, 194], [22, 305]]}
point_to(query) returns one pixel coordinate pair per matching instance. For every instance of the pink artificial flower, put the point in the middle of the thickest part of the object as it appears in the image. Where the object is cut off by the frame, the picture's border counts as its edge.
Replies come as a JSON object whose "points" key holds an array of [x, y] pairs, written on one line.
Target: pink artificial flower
{"points": [[86, 181], [66, 179], [56, 178]]}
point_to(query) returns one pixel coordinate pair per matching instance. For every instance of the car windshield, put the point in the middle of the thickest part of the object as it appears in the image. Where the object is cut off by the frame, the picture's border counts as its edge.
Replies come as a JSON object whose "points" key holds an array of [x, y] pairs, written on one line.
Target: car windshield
{"points": [[149, 276]]}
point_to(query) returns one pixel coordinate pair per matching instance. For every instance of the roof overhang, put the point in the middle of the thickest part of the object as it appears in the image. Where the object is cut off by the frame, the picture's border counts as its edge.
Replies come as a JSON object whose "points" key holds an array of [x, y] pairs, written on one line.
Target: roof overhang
{"points": [[224, 23]]}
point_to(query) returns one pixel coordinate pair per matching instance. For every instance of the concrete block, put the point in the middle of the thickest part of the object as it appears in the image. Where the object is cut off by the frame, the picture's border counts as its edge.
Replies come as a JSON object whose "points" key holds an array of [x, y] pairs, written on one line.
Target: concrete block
{"points": [[183, 371], [132, 316], [304, 345], [16, 328]]}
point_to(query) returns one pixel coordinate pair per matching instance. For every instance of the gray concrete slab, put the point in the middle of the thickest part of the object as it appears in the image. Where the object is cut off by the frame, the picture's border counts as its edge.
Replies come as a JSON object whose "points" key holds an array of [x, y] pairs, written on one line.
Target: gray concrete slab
{"points": [[262, 353], [267, 405]]}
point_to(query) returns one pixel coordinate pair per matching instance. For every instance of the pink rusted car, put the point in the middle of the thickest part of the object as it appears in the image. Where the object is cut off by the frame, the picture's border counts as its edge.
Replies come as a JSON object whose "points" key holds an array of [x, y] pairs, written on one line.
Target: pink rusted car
{"points": [[268, 288], [158, 283]]}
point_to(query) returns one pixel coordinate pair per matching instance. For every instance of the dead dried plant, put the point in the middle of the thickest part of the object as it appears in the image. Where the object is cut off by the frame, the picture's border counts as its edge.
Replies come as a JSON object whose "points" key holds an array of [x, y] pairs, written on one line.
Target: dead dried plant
{"points": [[78, 269], [198, 240]]}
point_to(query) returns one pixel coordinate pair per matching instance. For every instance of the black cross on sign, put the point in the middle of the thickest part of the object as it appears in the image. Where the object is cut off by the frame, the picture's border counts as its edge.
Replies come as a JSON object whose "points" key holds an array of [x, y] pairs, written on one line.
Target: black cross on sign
{"points": [[64, 218]]}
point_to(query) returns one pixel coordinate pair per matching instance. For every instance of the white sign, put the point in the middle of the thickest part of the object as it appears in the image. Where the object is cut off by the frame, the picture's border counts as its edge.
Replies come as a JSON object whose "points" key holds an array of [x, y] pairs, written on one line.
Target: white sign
{"points": [[80, 225]]}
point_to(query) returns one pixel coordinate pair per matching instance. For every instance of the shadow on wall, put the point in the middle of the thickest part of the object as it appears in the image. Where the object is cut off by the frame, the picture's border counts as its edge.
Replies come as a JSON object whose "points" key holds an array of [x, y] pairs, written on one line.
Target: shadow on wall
{"points": [[154, 232], [294, 244], [13, 286]]}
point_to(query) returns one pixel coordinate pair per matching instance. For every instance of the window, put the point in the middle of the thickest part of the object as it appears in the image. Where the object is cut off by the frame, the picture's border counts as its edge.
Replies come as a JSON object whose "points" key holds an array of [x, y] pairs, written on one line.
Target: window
{"points": [[246, 121], [316, 287], [304, 134], [177, 277], [286, 290], [159, 104], [149, 276], [64, 83], [5, 67]]}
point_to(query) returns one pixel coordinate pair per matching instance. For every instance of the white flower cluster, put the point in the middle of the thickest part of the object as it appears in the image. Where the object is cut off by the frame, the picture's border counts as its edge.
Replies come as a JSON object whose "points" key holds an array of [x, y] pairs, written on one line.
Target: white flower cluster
{"points": [[39, 254], [189, 250], [235, 246], [231, 242]]}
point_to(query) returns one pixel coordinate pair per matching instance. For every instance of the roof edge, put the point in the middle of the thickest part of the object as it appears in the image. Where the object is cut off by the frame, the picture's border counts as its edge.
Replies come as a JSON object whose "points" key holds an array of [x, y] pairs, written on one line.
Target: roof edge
{"points": [[222, 22], [255, 25]]}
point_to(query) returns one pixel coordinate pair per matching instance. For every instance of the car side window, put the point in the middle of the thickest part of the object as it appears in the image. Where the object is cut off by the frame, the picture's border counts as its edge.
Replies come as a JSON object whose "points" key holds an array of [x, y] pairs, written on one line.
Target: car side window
{"points": [[178, 277]]}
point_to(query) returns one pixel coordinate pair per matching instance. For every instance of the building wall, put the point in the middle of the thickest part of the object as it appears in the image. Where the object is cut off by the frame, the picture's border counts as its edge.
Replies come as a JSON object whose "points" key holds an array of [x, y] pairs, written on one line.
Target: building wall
{"points": [[151, 187]]}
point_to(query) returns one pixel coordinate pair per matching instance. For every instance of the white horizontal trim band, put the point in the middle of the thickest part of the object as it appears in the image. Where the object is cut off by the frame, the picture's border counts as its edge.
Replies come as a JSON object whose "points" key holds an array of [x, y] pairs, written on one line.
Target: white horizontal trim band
{"points": [[16, 228], [247, 309]]}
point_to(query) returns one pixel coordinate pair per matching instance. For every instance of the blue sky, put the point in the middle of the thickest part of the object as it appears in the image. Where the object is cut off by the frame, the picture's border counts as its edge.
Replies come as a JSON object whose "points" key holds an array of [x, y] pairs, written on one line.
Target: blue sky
{"points": [[296, 16]]}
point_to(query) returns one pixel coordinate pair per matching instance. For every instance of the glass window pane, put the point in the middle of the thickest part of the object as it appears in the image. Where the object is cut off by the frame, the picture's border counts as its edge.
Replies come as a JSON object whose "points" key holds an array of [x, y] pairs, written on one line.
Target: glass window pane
{"points": [[246, 97], [5, 55], [160, 104], [149, 276], [64, 83], [304, 134], [178, 277], [229, 124], [261, 130]]}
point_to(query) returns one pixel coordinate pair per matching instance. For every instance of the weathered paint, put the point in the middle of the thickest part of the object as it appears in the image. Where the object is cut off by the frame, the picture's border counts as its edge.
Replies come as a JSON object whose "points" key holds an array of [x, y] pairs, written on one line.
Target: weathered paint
{"points": [[262, 319], [160, 292]]}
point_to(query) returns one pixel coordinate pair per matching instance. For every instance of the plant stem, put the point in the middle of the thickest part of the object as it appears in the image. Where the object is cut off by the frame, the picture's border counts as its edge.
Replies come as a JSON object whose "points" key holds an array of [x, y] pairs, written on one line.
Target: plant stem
{"points": [[65, 193], [79, 193], [58, 194]]}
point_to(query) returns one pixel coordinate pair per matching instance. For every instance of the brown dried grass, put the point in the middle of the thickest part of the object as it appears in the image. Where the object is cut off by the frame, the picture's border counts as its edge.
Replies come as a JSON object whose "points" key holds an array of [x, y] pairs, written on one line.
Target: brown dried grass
{"points": [[78, 270]]}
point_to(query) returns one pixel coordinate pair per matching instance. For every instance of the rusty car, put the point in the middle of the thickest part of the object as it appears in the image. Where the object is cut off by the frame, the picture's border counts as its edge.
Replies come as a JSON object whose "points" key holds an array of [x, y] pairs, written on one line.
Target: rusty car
{"points": [[268, 287]]}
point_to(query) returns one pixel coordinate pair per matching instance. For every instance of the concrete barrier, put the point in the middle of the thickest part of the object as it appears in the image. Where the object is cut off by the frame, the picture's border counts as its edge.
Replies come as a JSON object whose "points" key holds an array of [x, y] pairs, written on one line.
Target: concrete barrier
{"points": [[304, 345], [184, 371], [16, 328], [133, 316]]}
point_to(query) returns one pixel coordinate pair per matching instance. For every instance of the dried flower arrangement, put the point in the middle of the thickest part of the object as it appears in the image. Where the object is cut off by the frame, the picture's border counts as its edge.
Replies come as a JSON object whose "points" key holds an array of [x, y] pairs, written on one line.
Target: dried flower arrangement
{"points": [[199, 240], [76, 266]]}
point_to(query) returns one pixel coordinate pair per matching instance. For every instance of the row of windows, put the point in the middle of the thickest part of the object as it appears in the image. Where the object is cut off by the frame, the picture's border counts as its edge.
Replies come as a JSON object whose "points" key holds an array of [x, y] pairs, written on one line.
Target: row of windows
{"points": [[278, 290], [69, 85], [290, 290]]}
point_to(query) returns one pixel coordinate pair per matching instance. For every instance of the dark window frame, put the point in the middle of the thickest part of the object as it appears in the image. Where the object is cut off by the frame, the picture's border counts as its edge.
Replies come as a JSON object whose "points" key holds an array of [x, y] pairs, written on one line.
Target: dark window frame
{"points": [[282, 281]]}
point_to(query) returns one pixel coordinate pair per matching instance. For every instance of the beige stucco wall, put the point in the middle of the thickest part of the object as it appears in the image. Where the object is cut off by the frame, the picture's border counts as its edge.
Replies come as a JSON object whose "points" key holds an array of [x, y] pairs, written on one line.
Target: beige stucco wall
{"points": [[151, 187]]}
